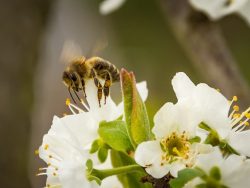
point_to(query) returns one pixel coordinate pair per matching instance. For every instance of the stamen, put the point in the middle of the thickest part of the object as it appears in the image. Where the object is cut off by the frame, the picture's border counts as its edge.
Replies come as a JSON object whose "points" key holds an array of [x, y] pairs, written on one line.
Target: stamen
{"points": [[36, 152], [46, 146], [235, 98], [73, 107], [85, 106], [245, 113], [236, 108]]}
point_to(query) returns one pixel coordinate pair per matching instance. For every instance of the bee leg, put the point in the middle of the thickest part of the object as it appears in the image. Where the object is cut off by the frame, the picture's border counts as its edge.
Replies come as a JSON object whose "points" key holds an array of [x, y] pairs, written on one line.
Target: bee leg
{"points": [[83, 88], [99, 87], [106, 87]]}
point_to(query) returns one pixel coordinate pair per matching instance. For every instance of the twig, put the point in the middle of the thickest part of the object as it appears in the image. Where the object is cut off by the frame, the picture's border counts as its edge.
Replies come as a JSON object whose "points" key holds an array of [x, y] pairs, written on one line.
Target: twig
{"points": [[205, 46]]}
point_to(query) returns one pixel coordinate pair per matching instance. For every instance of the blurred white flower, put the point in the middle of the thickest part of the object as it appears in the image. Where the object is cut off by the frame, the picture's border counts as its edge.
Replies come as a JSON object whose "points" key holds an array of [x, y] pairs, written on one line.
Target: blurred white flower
{"points": [[209, 106], [66, 164], [234, 170], [108, 6], [173, 148], [216, 9]]}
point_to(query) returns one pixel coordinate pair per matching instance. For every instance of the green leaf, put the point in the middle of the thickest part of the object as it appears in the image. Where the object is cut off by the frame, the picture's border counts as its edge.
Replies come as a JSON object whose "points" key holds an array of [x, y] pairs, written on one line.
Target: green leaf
{"points": [[136, 116], [185, 176], [130, 180], [114, 134], [102, 154]]}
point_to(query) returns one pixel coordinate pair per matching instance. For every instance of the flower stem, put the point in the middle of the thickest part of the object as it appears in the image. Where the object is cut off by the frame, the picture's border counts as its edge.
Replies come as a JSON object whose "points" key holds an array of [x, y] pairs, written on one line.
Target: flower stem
{"points": [[101, 174]]}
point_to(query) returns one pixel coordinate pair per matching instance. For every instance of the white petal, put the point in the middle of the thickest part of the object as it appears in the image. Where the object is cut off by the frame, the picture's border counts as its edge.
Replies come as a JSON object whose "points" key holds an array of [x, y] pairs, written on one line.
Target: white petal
{"points": [[240, 142], [182, 85], [204, 160], [109, 6], [216, 9], [111, 182], [245, 11], [143, 90], [73, 175], [212, 107], [176, 167], [148, 154], [236, 171], [165, 120], [51, 179], [78, 128]]}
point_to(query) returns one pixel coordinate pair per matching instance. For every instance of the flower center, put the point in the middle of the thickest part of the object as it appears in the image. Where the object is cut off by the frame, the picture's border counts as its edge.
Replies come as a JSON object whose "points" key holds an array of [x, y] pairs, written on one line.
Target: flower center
{"points": [[175, 146]]}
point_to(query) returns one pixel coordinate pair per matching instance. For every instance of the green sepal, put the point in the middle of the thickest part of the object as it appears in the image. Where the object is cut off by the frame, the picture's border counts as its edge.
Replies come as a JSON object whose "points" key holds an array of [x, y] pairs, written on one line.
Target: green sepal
{"points": [[102, 154], [136, 116], [195, 139], [95, 146], [215, 173], [114, 133], [89, 165]]}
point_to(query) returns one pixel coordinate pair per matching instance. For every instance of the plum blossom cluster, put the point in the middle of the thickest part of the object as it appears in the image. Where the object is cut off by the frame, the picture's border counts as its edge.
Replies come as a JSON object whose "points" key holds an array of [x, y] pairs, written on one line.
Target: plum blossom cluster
{"points": [[214, 9], [217, 9], [200, 141]]}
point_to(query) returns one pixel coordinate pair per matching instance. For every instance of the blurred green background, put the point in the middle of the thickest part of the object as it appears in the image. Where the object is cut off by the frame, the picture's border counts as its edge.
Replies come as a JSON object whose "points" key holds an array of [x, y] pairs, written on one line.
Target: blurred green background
{"points": [[32, 35]]}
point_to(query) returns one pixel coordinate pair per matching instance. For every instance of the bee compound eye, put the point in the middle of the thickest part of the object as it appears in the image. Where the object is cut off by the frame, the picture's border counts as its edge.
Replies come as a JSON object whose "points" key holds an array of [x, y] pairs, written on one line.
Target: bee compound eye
{"points": [[73, 77]]}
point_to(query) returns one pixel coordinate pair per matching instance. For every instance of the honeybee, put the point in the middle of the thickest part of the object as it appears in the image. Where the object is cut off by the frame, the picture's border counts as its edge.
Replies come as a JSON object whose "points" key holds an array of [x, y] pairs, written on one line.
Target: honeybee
{"points": [[81, 69]]}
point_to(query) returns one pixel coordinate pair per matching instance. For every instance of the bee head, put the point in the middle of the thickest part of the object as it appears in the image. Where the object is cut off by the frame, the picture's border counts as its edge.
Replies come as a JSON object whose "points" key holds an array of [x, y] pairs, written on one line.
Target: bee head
{"points": [[70, 80]]}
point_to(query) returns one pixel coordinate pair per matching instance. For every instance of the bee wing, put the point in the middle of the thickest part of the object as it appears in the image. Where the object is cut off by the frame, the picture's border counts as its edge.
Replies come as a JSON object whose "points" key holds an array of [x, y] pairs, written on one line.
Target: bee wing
{"points": [[99, 46], [70, 51]]}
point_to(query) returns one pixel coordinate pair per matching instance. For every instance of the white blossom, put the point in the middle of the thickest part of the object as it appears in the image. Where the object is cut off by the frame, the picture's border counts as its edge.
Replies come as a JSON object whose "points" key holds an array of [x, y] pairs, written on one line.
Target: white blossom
{"points": [[65, 147], [172, 150], [216, 9], [66, 164], [108, 6], [234, 170], [209, 106]]}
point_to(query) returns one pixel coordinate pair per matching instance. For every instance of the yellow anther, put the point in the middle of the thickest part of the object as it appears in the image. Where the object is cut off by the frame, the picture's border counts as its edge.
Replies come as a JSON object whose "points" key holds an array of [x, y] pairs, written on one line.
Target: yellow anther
{"points": [[49, 164], [235, 98], [246, 123], [218, 90], [37, 152], [247, 115], [67, 102], [237, 115], [236, 108], [46, 146], [54, 174], [50, 156], [65, 114]]}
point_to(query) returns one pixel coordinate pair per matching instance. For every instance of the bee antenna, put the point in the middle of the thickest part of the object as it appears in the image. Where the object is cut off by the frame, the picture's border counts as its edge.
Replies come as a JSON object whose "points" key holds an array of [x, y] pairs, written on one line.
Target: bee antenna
{"points": [[71, 95], [77, 95]]}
